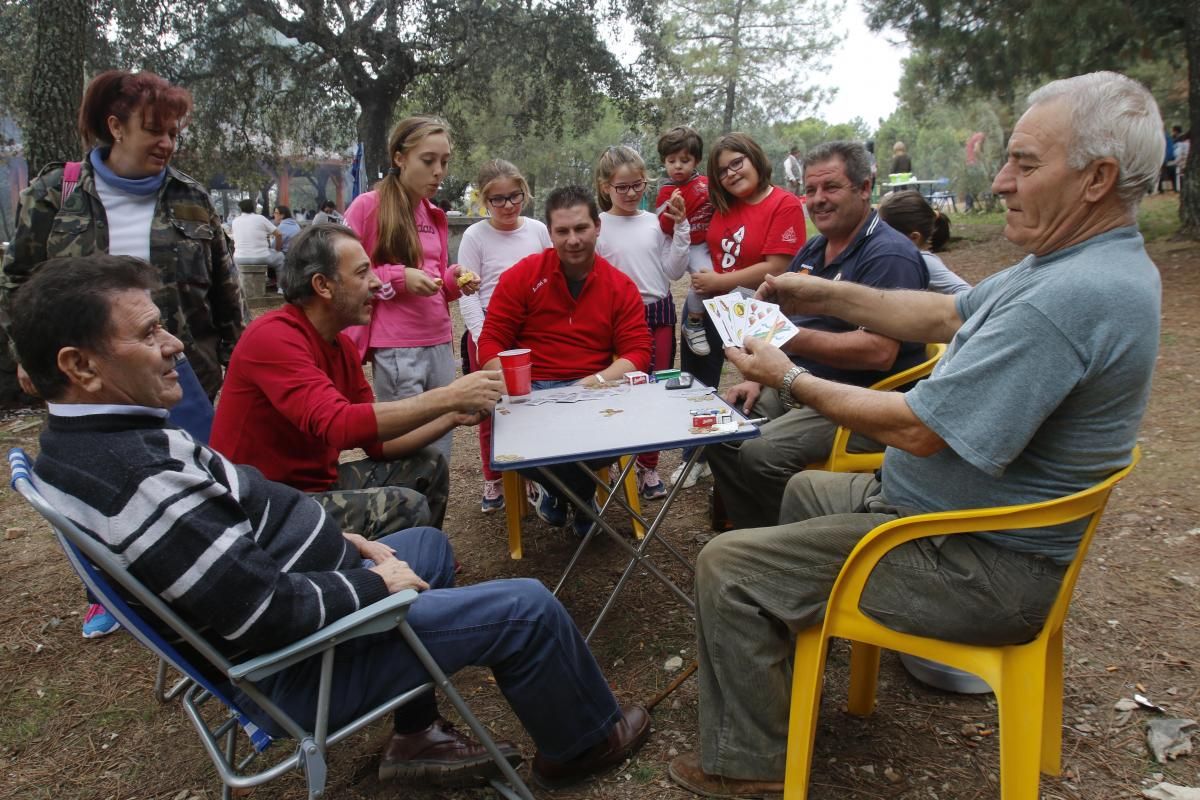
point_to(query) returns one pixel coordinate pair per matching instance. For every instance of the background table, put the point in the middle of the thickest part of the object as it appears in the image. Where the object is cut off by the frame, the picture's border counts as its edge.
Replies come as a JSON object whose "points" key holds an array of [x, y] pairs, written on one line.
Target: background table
{"points": [[612, 422]]}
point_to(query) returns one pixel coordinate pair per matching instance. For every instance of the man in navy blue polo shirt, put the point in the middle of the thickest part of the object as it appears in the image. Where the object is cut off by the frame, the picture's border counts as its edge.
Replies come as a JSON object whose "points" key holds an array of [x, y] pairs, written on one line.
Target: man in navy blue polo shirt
{"points": [[854, 245]]}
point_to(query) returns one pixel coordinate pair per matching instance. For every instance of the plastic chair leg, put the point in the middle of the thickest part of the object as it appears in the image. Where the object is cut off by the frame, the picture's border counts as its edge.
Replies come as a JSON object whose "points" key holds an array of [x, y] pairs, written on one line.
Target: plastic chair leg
{"points": [[864, 676], [1052, 717], [632, 497], [808, 672], [514, 509], [1020, 698]]}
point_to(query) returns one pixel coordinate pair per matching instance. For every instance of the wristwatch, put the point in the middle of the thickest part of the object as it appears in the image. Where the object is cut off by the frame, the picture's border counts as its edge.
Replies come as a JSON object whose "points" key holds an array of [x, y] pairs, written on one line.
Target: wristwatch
{"points": [[785, 389]]}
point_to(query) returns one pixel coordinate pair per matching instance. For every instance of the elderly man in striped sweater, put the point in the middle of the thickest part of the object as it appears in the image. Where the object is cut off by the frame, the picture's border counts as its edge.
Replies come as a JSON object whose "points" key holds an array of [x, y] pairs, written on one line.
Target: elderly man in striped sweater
{"points": [[256, 564]]}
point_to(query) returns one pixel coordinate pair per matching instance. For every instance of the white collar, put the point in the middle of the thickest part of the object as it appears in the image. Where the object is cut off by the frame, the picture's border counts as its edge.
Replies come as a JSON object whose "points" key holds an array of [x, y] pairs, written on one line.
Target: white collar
{"points": [[95, 409]]}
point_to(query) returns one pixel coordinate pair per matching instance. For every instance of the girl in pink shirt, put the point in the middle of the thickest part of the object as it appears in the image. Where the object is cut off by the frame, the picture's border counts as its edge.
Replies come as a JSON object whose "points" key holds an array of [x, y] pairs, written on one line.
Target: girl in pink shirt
{"points": [[407, 237]]}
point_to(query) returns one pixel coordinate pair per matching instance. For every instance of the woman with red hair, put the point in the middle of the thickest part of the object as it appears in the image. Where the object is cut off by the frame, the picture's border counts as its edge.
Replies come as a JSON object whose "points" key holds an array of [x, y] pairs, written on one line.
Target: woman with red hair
{"points": [[124, 198]]}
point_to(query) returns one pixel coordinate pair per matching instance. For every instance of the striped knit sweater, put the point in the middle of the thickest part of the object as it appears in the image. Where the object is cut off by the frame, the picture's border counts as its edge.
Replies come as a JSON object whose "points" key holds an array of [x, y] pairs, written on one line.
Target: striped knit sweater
{"points": [[255, 562]]}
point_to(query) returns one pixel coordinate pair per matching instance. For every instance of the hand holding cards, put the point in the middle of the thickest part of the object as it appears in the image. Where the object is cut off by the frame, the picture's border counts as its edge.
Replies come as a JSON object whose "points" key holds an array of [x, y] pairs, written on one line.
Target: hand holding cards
{"points": [[736, 317]]}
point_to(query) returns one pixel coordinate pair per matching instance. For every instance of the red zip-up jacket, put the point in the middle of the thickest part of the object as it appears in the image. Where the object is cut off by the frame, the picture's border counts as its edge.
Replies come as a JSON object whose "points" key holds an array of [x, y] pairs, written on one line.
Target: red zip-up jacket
{"points": [[570, 339]]}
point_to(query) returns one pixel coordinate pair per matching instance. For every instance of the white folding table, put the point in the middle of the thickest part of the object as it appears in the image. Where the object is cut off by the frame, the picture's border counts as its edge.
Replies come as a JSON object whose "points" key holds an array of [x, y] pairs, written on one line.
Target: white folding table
{"points": [[573, 424]]}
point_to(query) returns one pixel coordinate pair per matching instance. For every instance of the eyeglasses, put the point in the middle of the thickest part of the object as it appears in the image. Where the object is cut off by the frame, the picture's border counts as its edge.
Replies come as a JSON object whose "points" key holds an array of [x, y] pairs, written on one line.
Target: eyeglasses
{"points": [[637, 187], [501, 200], [733, 166]]}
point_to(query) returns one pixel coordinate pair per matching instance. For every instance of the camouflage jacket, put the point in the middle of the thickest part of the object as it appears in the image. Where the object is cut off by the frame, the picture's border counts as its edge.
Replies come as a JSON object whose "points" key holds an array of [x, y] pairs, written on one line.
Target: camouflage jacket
{"points": [[201, 300]]}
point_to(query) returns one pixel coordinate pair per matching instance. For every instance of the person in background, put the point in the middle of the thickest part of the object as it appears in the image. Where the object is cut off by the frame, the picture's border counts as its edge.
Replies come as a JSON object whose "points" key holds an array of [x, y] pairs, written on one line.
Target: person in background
{"points": [[910, 214], [681, 150], [288, 227], [632, 241], [328, 213], [900, 161], [126, 199], [409, 338], [756, 229], [256, 239], [793, 172], [489, 248]]}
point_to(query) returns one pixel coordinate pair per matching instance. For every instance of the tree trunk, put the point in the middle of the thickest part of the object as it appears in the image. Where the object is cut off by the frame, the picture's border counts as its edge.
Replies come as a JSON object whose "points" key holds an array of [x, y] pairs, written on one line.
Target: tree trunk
{"points": [[1189, 202], [374, 128], [60, 31]]}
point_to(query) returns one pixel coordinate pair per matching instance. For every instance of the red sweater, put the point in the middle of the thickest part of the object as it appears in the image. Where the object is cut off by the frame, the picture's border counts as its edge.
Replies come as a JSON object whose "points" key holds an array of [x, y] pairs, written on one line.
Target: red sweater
{"points": [[696, 205], [292, 402], [532, 307]]}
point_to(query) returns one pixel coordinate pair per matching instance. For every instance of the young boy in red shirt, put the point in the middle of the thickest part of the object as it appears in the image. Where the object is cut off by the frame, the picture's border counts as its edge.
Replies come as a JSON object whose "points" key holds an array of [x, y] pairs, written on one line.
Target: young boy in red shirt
{"points": [[681, 149]]}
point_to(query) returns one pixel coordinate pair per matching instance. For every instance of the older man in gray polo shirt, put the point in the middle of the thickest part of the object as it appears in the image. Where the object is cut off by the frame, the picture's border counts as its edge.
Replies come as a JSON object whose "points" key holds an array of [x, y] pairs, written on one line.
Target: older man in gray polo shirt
{"points": [[1039, 395]]}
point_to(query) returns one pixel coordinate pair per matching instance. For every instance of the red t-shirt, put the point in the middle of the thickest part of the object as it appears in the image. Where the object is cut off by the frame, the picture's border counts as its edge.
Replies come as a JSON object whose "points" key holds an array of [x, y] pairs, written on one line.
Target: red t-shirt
{"points": [[570, 338], [695, 203], [293, 401], [747, 234]]}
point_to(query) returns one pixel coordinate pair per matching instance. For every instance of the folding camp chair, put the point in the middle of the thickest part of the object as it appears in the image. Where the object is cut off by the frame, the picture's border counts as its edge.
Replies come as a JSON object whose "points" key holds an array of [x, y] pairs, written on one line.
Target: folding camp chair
{"points": [[102, 573]]}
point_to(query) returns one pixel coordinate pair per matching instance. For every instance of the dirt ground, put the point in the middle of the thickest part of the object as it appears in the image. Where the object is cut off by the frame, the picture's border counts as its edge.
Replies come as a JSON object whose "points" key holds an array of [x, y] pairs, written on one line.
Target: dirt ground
{"points": [[77, 719]]}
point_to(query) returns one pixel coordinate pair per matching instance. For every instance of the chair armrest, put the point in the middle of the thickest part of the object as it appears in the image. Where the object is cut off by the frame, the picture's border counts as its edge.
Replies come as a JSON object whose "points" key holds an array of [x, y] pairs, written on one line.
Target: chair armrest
{"points": [[383, 615]]}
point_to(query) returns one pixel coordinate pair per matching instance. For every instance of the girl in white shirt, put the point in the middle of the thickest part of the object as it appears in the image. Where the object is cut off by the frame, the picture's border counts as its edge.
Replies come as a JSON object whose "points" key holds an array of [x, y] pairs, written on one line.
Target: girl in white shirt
{"points": [[488, 248], [633, 242], [911, 214]]}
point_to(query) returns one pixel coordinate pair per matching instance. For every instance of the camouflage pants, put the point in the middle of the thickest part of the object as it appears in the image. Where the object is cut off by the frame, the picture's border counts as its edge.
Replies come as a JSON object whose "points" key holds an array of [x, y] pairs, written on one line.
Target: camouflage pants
{"points": [[376, 498]]}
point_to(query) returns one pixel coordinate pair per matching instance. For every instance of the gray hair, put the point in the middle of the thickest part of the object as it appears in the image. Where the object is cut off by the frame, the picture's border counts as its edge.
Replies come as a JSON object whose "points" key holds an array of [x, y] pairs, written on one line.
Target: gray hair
{"points": [[312, 252], [858, 163], [1112, 116]]}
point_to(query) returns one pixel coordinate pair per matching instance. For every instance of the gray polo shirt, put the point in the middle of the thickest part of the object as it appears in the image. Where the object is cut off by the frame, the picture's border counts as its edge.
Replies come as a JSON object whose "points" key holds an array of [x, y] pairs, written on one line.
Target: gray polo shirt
{"points": [[1042, 390]]}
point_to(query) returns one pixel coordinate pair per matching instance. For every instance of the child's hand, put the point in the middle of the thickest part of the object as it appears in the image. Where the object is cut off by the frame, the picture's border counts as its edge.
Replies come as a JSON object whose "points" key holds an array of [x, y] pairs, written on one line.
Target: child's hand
{"points": [[675, 207], [420, 284]]}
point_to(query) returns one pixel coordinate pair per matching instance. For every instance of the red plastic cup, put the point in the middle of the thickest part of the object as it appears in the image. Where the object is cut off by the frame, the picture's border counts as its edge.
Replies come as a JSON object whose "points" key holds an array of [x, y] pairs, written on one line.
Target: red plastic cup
{"points": [[518, 371]]}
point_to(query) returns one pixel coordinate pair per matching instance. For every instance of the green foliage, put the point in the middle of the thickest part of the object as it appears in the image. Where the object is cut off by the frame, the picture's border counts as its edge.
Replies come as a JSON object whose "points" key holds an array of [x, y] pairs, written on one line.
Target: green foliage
{"points": [[740, 63]]}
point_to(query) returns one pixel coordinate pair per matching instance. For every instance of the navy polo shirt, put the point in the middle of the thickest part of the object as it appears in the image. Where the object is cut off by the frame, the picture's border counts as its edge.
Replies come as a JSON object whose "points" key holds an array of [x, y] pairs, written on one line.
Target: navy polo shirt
{"points": [[879, 256]]}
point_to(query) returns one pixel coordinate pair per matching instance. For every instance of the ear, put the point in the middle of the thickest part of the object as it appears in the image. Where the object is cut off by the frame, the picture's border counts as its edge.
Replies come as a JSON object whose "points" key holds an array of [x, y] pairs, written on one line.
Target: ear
{"points": [[115, 129], [398, 159], [916, 238], [1101, 176], [322, 286], [80, 368]]}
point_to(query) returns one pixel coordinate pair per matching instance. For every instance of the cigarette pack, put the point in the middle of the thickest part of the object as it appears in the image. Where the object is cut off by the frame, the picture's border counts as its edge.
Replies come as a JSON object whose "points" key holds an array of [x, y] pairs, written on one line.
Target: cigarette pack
{"points": [[635, 378]]}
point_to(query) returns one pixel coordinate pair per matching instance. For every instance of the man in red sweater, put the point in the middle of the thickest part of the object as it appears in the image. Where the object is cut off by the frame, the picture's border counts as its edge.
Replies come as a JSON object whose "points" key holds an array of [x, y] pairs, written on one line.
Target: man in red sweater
{"points": [[582, 318], [295, 397]]}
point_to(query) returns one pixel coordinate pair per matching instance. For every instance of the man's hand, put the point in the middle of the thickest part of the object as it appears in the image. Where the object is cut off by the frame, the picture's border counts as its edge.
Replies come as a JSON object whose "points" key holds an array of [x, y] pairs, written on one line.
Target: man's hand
{"points": [[479, 391], [376, 551], [420, 284], [26, 384], [760, 362], [675, 207], [793, 292], [469, 419], [746, 393], [398, 576], [591, 382]]}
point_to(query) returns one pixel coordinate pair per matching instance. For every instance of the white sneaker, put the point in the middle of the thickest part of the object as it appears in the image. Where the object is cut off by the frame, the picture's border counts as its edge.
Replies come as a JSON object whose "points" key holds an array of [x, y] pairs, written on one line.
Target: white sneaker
{"points": [[699, 470], [695, 337]]}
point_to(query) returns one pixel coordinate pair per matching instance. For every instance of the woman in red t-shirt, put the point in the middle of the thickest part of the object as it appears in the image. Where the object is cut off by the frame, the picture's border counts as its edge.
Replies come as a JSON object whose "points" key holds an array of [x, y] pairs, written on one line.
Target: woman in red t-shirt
{"points": [[756, 229]]}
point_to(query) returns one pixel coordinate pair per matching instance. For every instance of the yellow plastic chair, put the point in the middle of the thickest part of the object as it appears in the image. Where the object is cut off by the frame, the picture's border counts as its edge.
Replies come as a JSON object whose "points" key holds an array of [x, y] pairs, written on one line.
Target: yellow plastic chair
{"points": [[516, 507], [842, 461], [1026, 678]]}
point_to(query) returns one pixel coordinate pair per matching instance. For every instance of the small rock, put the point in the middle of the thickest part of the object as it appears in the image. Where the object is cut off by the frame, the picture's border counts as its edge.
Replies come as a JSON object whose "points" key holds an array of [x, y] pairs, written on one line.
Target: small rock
{"points": [[971, 729], [868, 768], [1189, 581], [1126, 704], [892, 775], [15, 533], [673, 664], [672, 752]]}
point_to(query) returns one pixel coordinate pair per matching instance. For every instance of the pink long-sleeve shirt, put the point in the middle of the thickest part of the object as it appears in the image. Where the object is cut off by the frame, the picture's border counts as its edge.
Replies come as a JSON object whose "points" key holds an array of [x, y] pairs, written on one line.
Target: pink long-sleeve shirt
{"points": [[406, 319]]}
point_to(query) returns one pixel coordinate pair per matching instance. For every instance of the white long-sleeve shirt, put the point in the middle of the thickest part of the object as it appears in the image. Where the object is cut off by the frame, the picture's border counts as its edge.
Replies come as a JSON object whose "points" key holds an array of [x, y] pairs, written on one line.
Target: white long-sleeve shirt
{"points": [[637, 246], [488, 252]]}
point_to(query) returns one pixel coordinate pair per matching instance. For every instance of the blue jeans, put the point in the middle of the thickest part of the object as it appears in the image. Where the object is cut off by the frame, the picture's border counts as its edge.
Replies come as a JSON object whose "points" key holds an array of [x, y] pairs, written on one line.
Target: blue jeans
{"points": [[516, 627]]}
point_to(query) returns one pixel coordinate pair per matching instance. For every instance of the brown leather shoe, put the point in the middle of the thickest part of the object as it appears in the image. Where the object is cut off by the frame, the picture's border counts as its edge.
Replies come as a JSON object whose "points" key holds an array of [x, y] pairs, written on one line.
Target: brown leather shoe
{"points": [[686, 771], [441, 755], [623, 740]]}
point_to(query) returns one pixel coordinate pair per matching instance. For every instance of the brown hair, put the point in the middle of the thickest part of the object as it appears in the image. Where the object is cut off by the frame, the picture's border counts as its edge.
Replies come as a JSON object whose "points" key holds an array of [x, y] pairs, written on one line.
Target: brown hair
{"points": [[611, 160], [721, 199], [496, 169], [398, 241], [909, 212], [681, 138], [118, 93]]}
